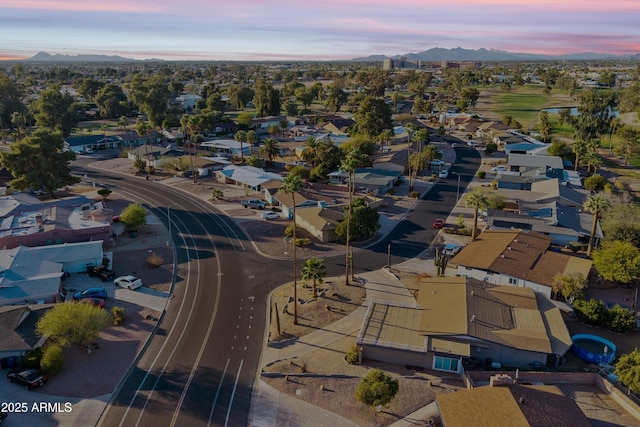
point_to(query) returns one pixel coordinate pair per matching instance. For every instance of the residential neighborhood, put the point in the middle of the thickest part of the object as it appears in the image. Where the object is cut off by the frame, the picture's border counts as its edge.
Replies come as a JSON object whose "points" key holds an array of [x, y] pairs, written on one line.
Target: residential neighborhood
{"points": [[343, 226]]}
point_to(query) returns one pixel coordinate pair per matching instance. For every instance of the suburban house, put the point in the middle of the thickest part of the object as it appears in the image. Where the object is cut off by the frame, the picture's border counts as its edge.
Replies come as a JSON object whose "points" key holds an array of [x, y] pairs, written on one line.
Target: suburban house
{"points": [[320, 222], [26, 221], [523, 162], [263, 123], [17, 328], [516, 258], [78, 144], [461, 320], [153, 155], [305, 197], [227, 147], [336, 125], [36, 275], [369, 180], [246, 176], [510, 404]]}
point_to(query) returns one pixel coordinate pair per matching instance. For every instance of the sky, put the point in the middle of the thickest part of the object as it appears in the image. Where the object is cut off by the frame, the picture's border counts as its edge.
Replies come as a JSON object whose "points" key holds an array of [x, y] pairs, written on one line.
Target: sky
{"points": [[313, 29]]}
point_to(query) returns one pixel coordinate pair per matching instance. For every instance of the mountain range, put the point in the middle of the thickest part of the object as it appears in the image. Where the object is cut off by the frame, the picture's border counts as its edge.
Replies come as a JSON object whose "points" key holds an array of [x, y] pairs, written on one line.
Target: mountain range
{"points": [[460, 54], [436, 54]]}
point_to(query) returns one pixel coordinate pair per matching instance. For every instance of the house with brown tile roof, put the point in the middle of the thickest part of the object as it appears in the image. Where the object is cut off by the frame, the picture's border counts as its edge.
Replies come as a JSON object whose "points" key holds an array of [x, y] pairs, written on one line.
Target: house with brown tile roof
{"points": [[516, 258], [510, 405], [320, 222], [462, 320]]}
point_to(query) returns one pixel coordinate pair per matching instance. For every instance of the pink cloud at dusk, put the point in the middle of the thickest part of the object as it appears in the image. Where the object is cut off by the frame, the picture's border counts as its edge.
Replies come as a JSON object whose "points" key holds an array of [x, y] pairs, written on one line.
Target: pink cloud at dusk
{"points": [[321, 29]]}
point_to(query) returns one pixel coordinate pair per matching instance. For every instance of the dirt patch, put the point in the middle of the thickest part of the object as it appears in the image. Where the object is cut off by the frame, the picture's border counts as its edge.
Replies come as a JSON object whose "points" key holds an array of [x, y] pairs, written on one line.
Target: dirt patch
{"points": [[337, 396], [334, 301]]}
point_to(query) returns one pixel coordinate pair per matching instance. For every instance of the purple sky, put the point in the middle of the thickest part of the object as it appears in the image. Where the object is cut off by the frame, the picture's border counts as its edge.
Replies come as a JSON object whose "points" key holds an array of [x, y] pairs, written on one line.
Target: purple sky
{"points": [[313, 29]]}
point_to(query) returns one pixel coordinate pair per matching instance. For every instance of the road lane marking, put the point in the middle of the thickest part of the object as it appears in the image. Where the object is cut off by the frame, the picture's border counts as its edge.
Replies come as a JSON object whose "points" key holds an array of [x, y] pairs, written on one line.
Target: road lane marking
{"points": [[215, 400], [233, 393]]}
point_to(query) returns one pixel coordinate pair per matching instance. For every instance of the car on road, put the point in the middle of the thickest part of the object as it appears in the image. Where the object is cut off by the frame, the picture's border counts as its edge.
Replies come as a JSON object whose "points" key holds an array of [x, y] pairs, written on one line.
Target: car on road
{"points": [[271, 215], [438, 223], [29, 378], [90, 293], [454, 145], [128, 282], [437, 162], [452, 248], [444, 174]]}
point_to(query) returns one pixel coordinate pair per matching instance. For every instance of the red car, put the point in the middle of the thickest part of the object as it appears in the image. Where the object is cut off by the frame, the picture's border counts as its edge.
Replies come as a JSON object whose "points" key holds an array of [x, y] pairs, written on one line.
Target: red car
{"points": [[438, 223]]}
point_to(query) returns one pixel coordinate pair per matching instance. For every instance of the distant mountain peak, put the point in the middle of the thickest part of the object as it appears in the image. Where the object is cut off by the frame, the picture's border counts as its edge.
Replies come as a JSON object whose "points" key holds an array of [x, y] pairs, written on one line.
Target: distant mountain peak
{"points": [[47, 57]]}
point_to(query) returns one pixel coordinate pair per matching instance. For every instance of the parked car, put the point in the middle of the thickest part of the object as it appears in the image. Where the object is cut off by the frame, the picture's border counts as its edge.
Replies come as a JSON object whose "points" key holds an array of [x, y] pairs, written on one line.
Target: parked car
{"points": [[437, 162], [271, 215], [438, 223], [254, 204], [452, 249], [444, 174], [90, 293], [454, 145], [29, 378], [129, 282], [499, 169]]}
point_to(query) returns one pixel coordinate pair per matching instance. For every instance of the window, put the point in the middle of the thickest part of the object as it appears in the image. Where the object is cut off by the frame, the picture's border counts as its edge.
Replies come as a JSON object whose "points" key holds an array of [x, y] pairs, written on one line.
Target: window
{"points": [[513, 281], [448, 364]]}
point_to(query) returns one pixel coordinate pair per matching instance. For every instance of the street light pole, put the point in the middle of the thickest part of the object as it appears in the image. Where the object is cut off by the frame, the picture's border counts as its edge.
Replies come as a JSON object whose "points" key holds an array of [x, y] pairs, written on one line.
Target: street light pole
{"points": [[458, 189]]}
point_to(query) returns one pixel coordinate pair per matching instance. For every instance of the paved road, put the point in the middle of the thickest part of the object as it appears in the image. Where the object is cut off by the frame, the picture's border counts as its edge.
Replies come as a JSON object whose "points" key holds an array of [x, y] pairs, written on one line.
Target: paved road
{"points": [[200, 366]]}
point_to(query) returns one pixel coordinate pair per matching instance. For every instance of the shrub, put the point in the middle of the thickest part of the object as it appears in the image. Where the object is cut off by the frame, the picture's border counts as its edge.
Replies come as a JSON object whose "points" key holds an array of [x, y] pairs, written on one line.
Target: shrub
{"points": [[353, 356], [288, 232], [490, 148], [414, 194], [595, 182], [118, 315], [592, 312], [305, 241], [154, 260], [494, 184], [460, 222], [377, 388], [482, 174], [301, 171], [619, 319], [32, 358], [52, 359]]}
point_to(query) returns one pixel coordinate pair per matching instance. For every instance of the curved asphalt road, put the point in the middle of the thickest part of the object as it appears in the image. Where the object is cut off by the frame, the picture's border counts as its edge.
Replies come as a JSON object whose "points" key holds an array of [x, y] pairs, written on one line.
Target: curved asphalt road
{"points": [[199, 367]]}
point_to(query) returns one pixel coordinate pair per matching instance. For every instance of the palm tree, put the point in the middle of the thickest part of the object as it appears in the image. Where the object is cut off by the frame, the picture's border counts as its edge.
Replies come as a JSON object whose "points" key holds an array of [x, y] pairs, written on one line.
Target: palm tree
{"points": [[292, 184], [284, 124], [252, 138], [314, 269], [597, 205], [431, 153], [352, 160], [123, 122], [476, 200], [269, 149], [410, 128], [386, 136], [241, 137], [310, 150]]}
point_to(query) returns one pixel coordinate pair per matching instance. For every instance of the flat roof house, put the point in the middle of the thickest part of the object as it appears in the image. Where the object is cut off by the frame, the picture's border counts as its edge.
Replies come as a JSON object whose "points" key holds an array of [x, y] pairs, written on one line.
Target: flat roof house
{"points": [[464, 320]]}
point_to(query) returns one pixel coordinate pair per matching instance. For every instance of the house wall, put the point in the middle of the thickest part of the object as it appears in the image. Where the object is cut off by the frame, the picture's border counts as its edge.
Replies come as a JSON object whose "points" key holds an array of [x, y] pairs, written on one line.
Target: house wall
{"points": [[503, 279], [508, 356], [57, 236], [397, 356]]}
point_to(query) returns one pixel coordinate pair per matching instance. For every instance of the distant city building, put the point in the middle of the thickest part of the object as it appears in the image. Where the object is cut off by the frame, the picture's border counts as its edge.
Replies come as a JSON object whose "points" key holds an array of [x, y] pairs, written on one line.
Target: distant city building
{"points": [[401, 63]]}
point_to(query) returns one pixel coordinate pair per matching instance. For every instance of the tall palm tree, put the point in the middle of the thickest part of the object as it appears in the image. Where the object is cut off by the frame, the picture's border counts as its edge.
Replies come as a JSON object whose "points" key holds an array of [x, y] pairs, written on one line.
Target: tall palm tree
{"points": [[241, 137], [597, 205], [352, 160], [284, 125], [292, 184], [123, 122], [477, 200], [386, 136], [410, 128], [252, 138], [269, 149], [310, 150], [314, 269]]}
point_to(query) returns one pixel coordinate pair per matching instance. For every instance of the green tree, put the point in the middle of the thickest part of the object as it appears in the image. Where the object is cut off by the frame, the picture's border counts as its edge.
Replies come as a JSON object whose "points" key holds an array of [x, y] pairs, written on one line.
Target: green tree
{"points": [[55, 110], [335, 98], [72, 323], [112, 101], [373, 117], [291, 185], [104, 192], [269, 149], [39, 163], [597, 205], [628, 370], [377, 388], [617, 261], [254, 160], [476, 200], [89, 88], [560, 149], [244, 121], [350, 163], [266, 99], [544, 126], [217, 194], [134, 216], [595, 182], [592, 312], [570, 285], [316, 270], [620, 319], [364, 221], [151, 95]]}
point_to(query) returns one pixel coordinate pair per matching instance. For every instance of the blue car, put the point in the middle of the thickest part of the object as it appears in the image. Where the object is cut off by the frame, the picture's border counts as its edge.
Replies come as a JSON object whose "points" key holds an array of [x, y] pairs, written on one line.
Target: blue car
{"points": [[90, 293]]}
